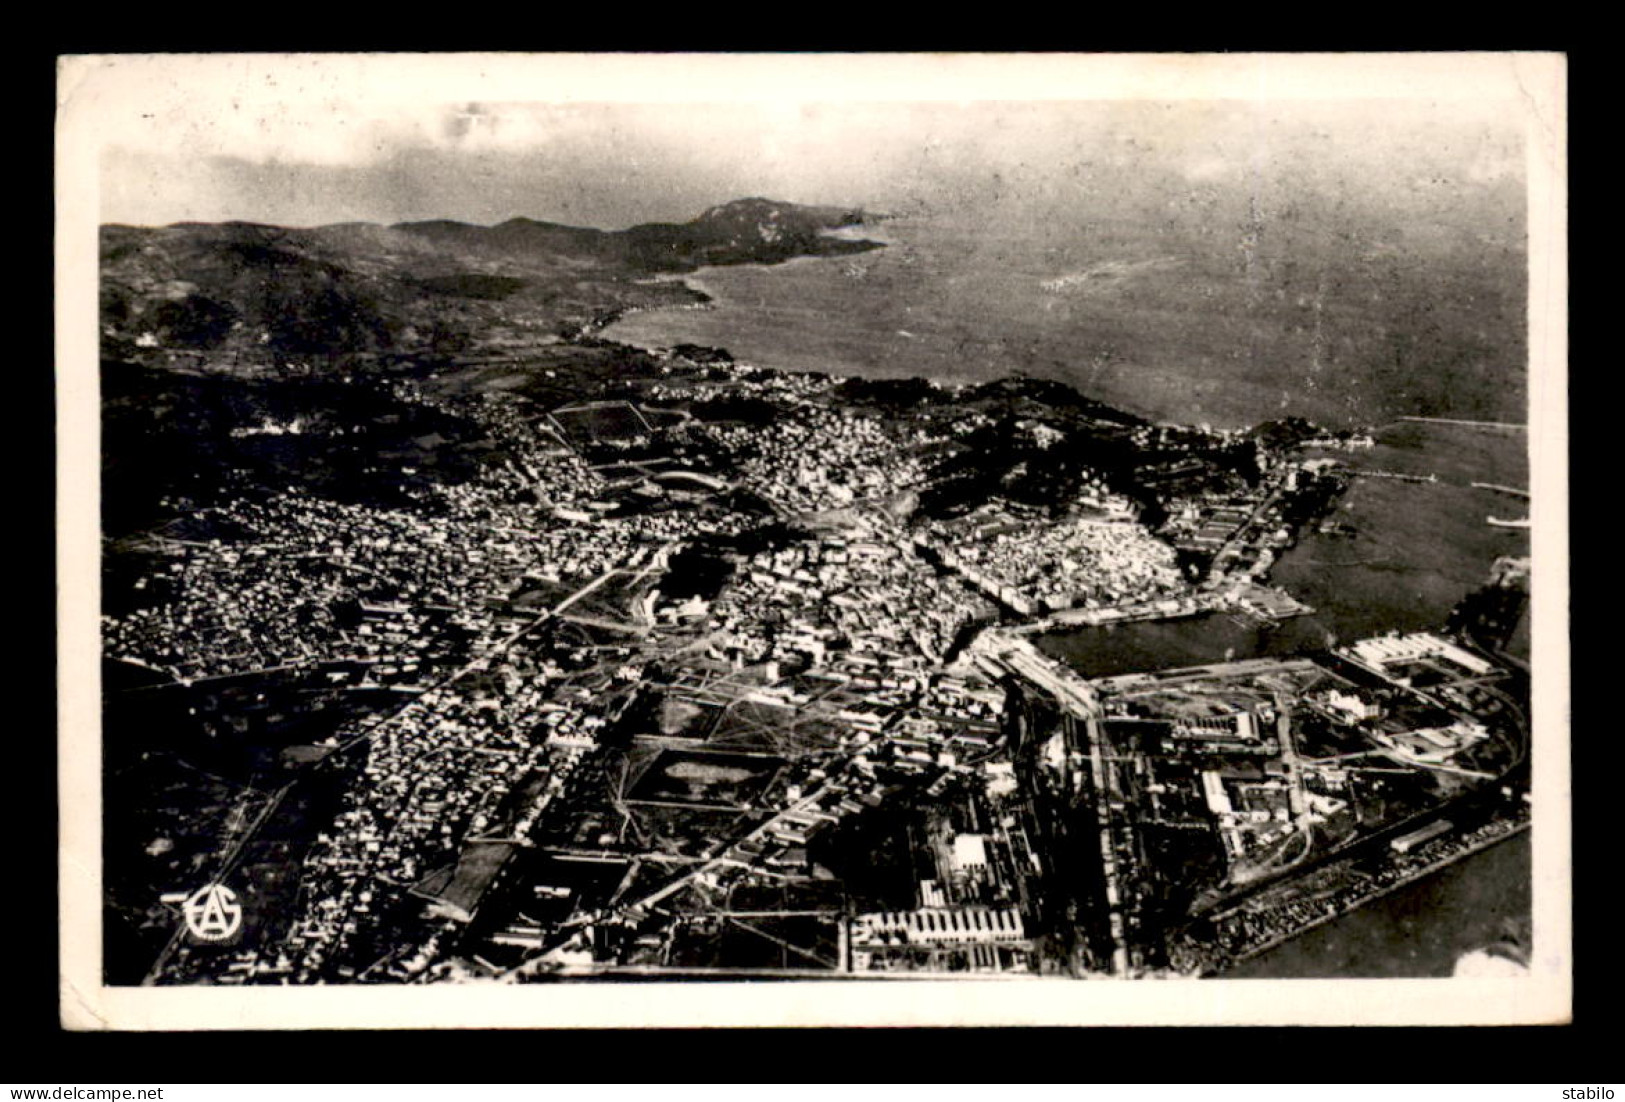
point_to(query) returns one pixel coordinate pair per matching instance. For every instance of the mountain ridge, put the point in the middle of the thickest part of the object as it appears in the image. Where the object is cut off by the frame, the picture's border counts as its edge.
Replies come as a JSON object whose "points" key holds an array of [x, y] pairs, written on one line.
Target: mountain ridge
{"points": [[262, 291]]}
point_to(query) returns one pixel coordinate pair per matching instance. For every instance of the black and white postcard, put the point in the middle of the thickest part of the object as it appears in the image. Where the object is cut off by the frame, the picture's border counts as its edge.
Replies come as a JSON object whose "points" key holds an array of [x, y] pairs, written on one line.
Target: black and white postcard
{"points": [[812, 539]]}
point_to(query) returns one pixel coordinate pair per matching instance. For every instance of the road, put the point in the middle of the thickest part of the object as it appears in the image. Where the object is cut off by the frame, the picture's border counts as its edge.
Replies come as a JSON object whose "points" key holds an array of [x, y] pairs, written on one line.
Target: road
{"points": [[484, 661], [1080, 702], [1238, 538], [1382, 836], [726, 857], [229, 862]]}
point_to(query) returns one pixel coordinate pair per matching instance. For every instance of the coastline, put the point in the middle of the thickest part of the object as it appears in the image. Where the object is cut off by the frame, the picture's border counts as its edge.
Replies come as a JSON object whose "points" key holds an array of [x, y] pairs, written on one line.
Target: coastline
{"points": [[1425, 873], [938, 302], [707, 296], [710, 298]]}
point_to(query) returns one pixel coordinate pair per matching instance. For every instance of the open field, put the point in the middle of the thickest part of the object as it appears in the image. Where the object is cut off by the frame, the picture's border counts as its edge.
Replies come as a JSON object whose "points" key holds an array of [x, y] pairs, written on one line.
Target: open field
{"points": [[599, 421], [705, 779]]}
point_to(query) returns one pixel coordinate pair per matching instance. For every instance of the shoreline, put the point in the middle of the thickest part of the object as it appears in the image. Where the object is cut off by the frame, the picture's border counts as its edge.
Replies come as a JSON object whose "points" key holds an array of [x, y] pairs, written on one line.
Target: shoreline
{"points": [[1365, 901], [709, 298]]}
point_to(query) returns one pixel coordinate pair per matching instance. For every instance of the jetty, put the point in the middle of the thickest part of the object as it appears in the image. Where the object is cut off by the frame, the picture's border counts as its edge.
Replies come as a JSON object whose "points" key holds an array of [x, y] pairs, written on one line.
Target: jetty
{"points": [[1468, 424]]}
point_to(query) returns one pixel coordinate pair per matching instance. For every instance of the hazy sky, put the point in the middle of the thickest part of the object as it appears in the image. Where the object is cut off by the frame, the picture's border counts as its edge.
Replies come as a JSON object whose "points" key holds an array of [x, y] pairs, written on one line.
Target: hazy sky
{"points": [[309, 141]]}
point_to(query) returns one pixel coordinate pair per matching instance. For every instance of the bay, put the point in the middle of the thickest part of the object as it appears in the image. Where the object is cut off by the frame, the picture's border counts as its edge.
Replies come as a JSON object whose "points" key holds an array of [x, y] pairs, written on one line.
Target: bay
{"points": [[1416, 551], [1178, 318], [1165, 323]]}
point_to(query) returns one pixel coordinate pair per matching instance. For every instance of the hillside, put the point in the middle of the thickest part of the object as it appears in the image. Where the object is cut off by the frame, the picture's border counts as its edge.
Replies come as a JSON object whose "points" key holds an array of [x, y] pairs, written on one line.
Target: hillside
{"points": [[251, 294]]}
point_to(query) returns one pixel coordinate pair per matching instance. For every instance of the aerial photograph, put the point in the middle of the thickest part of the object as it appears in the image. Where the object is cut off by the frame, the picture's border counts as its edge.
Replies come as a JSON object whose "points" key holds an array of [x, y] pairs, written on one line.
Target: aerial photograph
{"points": [[813, 538]]}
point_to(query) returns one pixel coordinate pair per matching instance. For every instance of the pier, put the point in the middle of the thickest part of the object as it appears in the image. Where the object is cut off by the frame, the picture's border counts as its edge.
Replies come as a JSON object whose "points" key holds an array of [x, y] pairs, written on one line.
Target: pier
{"points": [[1466, 424], [1400, 475], [1513, 490]]}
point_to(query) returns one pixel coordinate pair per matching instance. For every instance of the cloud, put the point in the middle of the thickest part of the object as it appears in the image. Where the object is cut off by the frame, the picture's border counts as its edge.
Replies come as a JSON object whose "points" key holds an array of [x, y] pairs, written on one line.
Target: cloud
{"points": [[334, 132], [299, 113], [303, 141]]}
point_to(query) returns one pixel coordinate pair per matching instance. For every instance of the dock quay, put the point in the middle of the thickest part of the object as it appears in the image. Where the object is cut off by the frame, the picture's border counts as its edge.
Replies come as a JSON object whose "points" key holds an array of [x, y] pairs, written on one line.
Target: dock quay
{"points": [[1513, 490], [1400, 475]]}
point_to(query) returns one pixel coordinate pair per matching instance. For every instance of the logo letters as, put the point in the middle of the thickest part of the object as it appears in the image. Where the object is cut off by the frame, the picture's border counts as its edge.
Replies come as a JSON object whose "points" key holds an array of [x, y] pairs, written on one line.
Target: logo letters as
{"points": [[213, 913]]}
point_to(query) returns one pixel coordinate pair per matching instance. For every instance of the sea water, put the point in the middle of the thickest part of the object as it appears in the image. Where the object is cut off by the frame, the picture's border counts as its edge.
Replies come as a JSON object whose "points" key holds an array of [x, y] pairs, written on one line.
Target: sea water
{"points": [[1141, 322], [1169, 318]]}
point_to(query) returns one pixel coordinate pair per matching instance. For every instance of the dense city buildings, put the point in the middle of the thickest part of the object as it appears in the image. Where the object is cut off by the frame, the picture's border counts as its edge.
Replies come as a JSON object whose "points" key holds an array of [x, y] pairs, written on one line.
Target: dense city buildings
{"points": [[715, 667], [455, 641]]}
